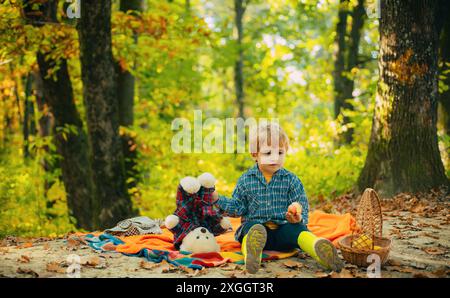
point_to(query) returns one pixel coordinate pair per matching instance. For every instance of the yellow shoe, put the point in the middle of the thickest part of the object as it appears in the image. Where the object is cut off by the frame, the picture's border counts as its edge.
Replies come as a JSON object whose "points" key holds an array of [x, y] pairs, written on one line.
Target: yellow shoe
{"points": [[252, 247], [320, 249], [327, 254]]}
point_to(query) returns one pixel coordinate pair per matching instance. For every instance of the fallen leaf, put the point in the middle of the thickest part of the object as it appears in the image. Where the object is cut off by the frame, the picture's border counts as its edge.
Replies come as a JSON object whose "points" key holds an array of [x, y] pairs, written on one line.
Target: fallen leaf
{"points": [[441, 272], [93, 261], [25, 245], [293, 264], [289, 274], [434, 251], [166, 267], [193, 273], [27, 271], [343, 274], [403, 269], [430, 235], [46, 246], [320, 274], [73, 243], [55, 267], [148, 265], [24, 259], [392, 262], [230, 267]]}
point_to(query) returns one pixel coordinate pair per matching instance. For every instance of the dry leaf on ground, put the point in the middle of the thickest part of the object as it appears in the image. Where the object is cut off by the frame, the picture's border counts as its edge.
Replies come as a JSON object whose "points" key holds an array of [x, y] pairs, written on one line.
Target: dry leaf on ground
{"points": [[286, 274], [55, 267], [434, 251], [21, 270], [148, 265], [24, 259], [293, 264]]}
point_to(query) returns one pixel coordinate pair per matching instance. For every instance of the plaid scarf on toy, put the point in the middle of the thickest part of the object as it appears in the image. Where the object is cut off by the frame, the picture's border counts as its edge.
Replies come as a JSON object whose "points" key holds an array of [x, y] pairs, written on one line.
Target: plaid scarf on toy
{"points": [[196, 210]]}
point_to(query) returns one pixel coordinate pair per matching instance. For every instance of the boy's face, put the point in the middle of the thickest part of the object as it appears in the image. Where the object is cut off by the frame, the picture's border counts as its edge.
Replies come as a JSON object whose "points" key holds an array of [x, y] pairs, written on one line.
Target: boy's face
{"points": [[270, 158]]}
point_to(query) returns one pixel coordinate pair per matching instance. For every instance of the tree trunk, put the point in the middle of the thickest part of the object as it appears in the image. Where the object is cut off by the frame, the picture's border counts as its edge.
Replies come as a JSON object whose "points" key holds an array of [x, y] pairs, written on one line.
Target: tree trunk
{"points": [[239, 8], [444, 97], [344, 85], [73, 146], [102, 107], [339, 59], [45, 122], [187, 5], [125, 91], [403, 153], [27, 116], [125, 80]]}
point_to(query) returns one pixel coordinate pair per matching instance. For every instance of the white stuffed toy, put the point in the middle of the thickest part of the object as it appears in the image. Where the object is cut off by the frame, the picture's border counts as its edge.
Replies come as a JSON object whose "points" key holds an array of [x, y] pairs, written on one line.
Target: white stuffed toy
{"points": [[200, 240], [196, 212]]}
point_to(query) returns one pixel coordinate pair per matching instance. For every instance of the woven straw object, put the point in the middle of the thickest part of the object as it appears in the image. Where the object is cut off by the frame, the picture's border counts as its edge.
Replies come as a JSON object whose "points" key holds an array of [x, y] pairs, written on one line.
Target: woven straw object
{"points": [[367, 237]]}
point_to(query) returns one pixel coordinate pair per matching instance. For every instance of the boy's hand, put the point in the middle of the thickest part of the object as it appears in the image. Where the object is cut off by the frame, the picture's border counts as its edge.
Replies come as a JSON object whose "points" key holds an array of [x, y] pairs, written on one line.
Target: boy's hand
{"points": [[293, 215], [215, 196]]}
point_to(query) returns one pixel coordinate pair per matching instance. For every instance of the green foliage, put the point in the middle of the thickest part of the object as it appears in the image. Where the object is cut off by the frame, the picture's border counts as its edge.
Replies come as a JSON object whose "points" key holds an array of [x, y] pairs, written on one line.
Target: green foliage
{"points": [[183, 61], [23, 201]]}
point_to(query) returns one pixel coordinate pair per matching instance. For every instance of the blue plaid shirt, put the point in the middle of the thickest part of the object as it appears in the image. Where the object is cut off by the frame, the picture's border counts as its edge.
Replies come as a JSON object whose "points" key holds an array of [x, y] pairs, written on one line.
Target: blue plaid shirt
{"points": [[258, 201]]}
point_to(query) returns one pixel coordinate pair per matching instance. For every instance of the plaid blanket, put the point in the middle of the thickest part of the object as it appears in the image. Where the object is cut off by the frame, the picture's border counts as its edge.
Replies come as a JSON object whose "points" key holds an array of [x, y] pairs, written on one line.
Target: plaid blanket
{"points": [[159, 247]]}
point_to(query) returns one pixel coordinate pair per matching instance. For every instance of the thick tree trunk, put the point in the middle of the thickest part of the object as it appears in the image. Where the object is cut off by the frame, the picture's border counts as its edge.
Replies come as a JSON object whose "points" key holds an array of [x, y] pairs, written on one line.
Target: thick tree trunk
{"points": [[73, 145], [239, 9], [403, 150], [102, 108]]}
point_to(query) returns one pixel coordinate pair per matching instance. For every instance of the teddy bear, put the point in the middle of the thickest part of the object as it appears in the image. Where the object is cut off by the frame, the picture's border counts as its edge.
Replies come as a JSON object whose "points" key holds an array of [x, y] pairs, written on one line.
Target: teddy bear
{"points": [[195, 210], [199, 240]]}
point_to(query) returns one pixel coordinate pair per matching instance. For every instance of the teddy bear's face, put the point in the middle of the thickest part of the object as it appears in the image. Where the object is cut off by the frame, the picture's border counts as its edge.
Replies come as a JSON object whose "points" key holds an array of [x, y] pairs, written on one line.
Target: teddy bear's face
{"points": [[200, 240]]}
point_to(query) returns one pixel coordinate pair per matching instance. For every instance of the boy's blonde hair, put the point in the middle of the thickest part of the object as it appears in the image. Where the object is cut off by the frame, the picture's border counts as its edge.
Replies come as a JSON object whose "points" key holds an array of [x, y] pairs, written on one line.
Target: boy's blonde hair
{"points": [[264, 133]]}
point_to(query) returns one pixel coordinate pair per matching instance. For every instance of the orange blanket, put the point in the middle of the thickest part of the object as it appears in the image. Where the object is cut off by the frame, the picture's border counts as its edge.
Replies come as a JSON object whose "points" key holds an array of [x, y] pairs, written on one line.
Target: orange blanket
{"points": [[330, 226]]}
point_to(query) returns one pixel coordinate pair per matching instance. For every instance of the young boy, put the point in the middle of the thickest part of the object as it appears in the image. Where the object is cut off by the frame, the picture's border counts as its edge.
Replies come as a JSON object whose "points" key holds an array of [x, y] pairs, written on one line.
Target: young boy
{"points": [[273, 205]]}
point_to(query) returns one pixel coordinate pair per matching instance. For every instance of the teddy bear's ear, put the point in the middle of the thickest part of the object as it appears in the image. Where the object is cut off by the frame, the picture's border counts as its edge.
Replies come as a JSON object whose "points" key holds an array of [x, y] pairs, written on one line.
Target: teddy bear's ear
{"points": [[171, 221], [225, 223], [190, 184], [207, 180]]}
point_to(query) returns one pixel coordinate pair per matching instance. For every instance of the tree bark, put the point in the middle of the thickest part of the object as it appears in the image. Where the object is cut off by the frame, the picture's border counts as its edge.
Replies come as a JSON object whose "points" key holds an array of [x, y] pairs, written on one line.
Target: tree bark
{"points": [[45, 123], [239, 9], [403, 153], [102, 107], [28, 118], [444, 97], [73, 146], [125, 80], [339, 59], [344, 85], [125, 90]]}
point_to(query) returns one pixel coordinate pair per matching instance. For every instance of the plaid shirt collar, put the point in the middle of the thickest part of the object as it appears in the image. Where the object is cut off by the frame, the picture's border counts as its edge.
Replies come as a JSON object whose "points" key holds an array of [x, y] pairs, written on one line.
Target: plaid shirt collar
{"points": [[256, 172]]}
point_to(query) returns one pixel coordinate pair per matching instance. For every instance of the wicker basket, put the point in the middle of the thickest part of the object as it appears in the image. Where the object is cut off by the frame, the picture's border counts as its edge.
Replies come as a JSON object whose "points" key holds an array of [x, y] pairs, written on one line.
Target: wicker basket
{"points": [[369, 222]]}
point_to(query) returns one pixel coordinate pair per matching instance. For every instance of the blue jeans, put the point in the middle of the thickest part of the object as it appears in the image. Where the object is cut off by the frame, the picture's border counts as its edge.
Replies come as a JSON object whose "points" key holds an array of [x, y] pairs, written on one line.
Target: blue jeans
{"points": [[283, 238]]}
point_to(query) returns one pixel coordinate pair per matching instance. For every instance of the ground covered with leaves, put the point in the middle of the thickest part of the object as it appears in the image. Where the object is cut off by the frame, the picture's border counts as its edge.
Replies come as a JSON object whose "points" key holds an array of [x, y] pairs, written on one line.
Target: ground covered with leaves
{"points": [[417, 224]]}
